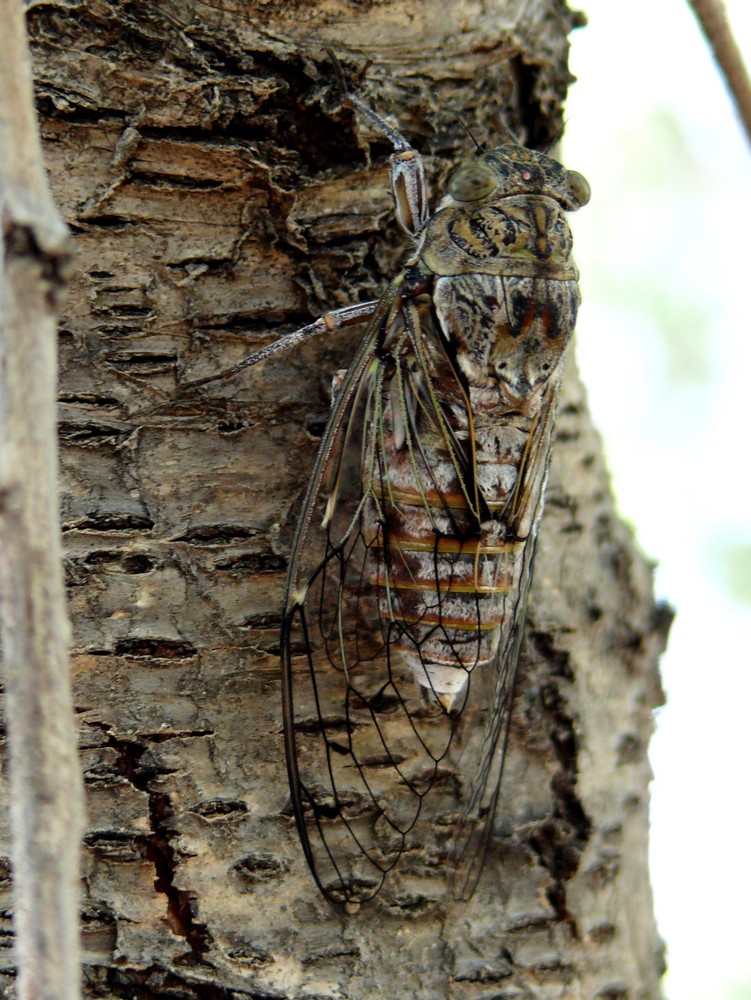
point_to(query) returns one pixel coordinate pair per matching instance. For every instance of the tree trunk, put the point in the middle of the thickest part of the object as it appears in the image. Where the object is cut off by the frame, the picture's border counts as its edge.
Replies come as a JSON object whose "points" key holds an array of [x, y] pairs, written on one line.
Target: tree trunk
{"points": [[221, 194]]}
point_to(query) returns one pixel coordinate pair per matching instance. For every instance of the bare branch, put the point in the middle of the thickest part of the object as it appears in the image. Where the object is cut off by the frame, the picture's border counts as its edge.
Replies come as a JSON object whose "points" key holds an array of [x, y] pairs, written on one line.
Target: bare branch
{"points": [[46, 790], [713, 19]]}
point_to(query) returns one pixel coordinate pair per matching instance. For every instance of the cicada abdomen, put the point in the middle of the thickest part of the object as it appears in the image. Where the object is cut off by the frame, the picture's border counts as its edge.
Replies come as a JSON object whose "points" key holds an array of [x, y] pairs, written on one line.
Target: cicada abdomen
{"points": [[412, 563]]}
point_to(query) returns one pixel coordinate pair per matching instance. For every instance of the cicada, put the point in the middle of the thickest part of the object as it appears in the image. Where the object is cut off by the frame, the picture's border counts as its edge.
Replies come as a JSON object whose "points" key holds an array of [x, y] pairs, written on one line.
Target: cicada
{"points": [[410, 573]]}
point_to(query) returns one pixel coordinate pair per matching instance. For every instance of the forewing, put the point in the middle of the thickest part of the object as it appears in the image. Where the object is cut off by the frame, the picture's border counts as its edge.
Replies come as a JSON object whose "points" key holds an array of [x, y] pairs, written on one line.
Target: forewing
{"points": [[480, 745], [357, 770], [479, 725], [370, 751]]}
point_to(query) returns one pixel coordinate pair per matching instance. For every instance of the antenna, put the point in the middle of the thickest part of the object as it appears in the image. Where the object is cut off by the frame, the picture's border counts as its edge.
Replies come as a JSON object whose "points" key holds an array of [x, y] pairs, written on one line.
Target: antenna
{"points": [[479, 146]]}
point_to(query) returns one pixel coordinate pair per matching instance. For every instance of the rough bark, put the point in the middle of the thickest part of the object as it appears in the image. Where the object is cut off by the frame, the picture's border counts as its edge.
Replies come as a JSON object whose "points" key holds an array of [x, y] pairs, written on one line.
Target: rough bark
{"points": [[46, 794], [221, 194]]}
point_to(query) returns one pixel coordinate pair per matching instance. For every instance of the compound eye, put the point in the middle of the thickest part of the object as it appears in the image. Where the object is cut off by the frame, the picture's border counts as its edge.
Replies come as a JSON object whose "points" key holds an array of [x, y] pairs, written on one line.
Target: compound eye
{"points": [[473, 182], [579, 187]]}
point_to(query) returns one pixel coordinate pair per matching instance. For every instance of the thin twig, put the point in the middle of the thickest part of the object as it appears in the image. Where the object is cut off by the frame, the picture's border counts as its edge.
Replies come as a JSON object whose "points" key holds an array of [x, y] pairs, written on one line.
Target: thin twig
{"points": [[45, 780], [714, 22]]}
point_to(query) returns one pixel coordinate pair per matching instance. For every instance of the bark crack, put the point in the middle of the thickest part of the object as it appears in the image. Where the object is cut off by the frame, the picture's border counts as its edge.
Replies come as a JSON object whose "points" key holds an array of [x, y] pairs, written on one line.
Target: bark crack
{"points": [[159, 848], [156, 983], [560, 841]]}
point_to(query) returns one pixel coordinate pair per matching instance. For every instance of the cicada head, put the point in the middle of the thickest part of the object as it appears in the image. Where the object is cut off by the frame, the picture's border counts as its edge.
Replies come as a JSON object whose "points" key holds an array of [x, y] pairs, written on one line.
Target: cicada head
{"points": [[505, 214], [514, 170]]}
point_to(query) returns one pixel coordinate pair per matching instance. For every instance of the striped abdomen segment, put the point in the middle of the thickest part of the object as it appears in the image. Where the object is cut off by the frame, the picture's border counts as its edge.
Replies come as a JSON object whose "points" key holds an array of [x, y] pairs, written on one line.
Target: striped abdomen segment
{"points": [[445, 593]]}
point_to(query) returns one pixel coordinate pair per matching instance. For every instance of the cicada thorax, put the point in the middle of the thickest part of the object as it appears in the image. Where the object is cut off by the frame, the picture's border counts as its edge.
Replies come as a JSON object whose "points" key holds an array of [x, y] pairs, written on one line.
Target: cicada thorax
{"points": [[462, 461]]}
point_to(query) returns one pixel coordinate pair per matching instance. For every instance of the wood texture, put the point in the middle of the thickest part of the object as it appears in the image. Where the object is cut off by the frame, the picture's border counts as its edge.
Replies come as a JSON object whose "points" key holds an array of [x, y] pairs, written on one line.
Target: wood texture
{"points": [[221, 195]]}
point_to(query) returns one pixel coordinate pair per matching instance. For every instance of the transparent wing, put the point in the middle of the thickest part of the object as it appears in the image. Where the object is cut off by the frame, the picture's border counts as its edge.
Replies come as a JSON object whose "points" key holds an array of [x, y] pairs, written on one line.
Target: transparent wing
{"points": [[484, 756], [383, 768]]}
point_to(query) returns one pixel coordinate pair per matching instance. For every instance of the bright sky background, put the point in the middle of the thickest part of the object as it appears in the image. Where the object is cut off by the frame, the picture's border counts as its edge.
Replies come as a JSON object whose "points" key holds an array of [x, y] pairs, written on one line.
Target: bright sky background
{"points": [[665, 349]]}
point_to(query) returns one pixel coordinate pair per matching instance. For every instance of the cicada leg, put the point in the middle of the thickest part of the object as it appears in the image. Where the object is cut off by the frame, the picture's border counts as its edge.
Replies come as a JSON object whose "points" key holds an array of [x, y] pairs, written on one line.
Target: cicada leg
{"points": [[329, 322], [407, 172], [411, 206]]}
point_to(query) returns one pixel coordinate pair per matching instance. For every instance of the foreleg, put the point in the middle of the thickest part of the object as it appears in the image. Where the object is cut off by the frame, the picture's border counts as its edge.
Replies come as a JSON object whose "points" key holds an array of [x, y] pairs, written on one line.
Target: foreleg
{"points": [[407, 172]]}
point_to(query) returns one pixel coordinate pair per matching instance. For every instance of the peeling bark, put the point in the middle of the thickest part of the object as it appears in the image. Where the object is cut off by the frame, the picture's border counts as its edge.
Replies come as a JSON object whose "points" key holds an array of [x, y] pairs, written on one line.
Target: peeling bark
{"points": [[221, 194]]}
